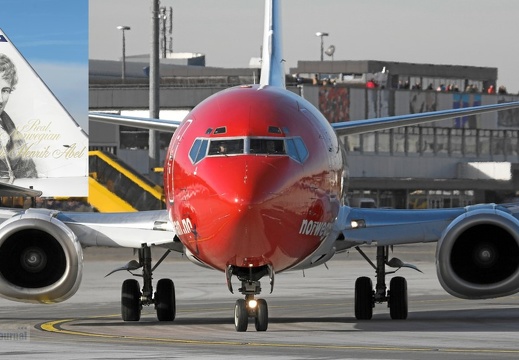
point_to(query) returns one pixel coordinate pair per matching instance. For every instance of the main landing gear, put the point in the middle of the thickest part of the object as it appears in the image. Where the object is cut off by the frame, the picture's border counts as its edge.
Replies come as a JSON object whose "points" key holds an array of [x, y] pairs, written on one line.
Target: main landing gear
{"points": [[133, 298], [250, 307], [366, 297]]}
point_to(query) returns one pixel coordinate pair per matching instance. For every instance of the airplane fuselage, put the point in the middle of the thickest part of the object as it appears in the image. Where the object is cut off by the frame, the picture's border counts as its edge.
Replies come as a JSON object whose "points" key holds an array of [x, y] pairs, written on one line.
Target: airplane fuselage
{"points": [[253, 177]]}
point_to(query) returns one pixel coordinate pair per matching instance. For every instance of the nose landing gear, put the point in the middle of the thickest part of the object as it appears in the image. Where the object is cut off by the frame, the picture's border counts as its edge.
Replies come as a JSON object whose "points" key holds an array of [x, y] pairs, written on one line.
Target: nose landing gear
{"points": [[250, 307]]}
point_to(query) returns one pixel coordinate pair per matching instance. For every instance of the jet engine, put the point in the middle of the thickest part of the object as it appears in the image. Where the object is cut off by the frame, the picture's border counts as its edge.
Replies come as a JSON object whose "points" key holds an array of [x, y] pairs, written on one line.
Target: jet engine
{"points": [[478, 255], [41, 260]]}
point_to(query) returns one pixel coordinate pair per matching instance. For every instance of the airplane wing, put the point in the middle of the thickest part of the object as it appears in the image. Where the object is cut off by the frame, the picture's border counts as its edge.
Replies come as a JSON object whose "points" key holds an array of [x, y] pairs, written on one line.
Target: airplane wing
{"points": [[390, 122], [386, 227], [126, 229], [146, 123], [130, 230]]}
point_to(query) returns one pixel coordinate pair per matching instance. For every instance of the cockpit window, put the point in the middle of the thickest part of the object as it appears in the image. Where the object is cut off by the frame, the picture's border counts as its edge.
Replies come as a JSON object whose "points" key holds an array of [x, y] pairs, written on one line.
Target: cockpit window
{"points": [[274, 130], [296, 149], [226, 147], [293, 147], [198, 150], [267, 146], [301, 149]]}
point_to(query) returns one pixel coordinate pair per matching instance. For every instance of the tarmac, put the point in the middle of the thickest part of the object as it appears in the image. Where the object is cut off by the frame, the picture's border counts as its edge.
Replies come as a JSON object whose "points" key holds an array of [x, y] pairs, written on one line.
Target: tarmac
{"points": [[310, 317]]}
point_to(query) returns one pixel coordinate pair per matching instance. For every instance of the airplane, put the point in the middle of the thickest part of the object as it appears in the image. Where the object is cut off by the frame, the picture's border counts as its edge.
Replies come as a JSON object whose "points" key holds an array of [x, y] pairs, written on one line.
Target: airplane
{"points": [[254, 182]]}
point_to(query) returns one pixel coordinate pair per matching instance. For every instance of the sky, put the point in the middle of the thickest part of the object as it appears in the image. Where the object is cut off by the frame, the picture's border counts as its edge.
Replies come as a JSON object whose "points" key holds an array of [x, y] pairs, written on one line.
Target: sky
{"points": [[229, 32], [53, 36]]}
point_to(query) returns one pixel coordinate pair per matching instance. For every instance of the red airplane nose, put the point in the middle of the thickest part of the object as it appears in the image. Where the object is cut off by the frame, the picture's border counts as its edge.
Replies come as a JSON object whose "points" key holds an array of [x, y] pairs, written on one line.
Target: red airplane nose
{"points": [[244, 223]]}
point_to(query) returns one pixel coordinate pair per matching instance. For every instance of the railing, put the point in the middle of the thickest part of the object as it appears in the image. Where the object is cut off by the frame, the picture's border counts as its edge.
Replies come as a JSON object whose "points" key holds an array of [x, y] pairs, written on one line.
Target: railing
{"points": [[435, 141]]}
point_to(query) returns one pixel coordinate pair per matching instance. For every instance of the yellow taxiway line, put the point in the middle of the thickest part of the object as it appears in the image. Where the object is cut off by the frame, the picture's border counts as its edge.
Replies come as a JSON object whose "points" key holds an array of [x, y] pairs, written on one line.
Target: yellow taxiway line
{"points": [[56, 326]]}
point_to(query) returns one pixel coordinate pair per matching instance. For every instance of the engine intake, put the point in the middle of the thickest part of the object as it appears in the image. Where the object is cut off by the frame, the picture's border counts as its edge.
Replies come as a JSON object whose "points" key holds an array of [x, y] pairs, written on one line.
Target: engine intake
{"points": [[478, 255], [41, 259]]}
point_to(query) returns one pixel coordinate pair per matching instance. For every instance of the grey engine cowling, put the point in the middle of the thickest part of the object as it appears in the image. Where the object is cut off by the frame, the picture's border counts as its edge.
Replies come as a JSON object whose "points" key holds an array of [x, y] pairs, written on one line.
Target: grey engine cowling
{"points": [[478, 255], [41, 260]]}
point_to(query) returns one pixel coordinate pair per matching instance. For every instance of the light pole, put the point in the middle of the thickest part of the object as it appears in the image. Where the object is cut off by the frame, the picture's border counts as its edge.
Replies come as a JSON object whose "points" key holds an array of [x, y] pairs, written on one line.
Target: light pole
{"points": [[154, 99], [321, 35], [123, 28]]}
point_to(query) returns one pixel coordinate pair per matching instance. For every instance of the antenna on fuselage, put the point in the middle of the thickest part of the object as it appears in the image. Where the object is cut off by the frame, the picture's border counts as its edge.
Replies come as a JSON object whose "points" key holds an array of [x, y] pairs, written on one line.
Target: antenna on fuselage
{"points": [[272, 69]]}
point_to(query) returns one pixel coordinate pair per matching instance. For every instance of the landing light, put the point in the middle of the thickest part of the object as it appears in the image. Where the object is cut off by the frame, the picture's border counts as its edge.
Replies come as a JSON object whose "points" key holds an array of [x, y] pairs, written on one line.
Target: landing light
{"points": [[358, 224], [252, 304]]}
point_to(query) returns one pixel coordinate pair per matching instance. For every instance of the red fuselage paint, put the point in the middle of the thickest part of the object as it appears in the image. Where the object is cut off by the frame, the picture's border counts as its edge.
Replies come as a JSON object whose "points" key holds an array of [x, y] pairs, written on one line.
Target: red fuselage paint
{"points": [[254, 209]]}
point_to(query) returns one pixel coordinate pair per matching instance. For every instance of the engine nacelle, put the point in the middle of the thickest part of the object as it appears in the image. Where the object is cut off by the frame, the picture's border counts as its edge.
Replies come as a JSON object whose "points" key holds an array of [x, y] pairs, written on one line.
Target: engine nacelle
{"points": [[478, 255], [41, 260]]}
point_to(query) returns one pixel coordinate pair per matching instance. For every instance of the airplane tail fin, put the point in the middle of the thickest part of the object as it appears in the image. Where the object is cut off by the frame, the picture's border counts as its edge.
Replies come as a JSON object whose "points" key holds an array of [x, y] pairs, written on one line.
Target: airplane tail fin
{"points": [[272, 69], [41, 145]]}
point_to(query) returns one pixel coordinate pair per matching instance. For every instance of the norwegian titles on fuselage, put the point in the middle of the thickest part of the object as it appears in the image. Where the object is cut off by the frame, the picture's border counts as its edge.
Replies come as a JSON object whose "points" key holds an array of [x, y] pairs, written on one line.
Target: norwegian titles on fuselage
{"points": [[183, 227], [315, 228]]}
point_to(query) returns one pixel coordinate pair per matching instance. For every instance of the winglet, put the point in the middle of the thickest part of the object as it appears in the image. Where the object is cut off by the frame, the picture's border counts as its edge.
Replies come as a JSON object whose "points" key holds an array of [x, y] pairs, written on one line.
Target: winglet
{"points": [[272, 70]]}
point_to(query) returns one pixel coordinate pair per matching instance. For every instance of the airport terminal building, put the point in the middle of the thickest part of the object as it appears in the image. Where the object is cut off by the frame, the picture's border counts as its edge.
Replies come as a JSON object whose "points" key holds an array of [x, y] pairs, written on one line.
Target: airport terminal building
{"points": [[451, 163]]}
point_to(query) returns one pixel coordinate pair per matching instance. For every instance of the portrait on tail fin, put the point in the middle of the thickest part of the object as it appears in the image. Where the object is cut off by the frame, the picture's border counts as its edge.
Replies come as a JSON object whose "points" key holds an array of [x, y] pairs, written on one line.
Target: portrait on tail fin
{"points": [[41, 145], [13, 164]]}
